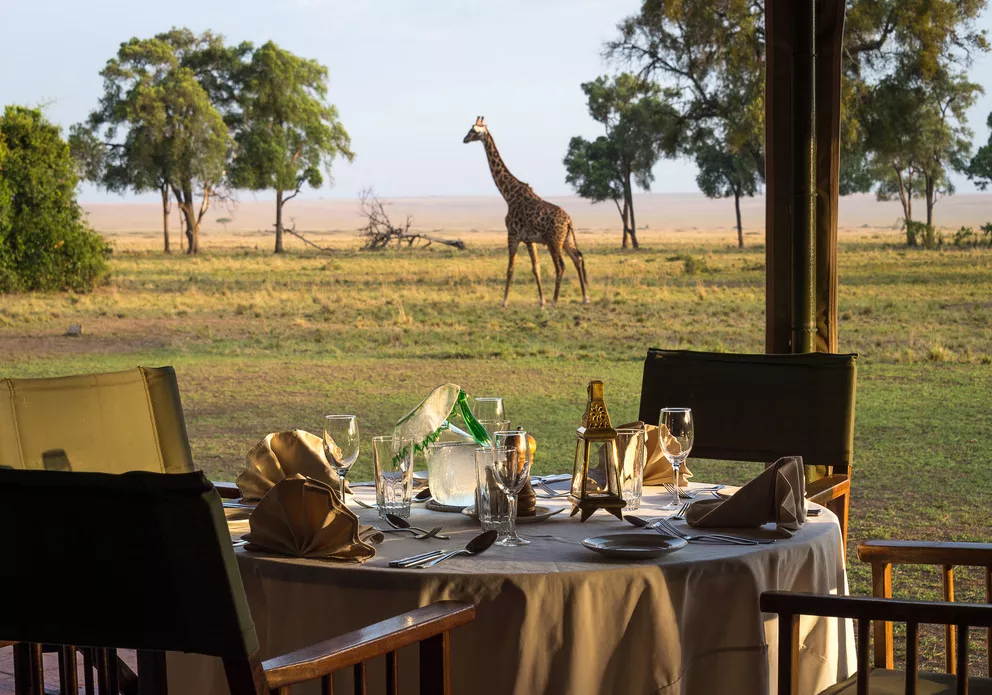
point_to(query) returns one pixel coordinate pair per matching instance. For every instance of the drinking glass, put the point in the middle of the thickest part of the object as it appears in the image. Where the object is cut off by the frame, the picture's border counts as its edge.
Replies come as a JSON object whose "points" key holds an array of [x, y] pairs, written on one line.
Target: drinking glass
{"points": [[632, 450], [392, 461], [511, 469], [489, 409], [341, 444], [494, 426], [677, 423], [490, 502]]}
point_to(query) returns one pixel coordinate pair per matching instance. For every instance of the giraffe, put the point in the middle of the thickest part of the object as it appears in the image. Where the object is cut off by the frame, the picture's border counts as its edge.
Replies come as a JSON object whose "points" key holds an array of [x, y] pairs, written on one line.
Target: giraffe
{"points": [[531, 220]]}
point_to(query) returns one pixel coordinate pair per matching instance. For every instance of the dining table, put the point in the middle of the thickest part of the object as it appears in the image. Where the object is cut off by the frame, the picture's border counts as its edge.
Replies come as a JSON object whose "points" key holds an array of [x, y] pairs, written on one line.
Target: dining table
{"points": [[555, 617]]}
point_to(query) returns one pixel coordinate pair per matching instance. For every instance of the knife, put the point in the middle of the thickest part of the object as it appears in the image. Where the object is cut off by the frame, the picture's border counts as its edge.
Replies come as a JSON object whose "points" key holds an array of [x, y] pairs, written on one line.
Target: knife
{"points": [[415, 560]]}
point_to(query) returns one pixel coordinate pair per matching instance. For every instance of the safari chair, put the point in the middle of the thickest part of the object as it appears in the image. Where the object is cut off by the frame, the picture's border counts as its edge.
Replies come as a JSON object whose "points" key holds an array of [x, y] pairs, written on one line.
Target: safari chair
{"points": [[882, 610], [116, 422], [103, 423], [162, 576], [760, 407]]}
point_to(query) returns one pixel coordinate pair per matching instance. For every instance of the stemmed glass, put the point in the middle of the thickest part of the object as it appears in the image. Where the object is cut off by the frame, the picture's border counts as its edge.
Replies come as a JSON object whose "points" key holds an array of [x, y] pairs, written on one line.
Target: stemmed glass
{"points": [[489, 409], [676, 435], [341, 444], [511, 469]]}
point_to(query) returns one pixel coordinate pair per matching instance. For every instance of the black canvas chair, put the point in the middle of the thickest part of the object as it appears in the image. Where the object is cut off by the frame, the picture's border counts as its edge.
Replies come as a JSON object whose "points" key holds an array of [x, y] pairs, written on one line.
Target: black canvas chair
{"points": [[761, 407], [158, 573], [881, 611]]}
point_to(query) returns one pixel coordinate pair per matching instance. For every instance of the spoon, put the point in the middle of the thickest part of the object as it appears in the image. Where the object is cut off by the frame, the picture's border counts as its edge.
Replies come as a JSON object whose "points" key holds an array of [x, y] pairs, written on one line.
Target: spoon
{"points": [[423, 495], [401, 523], [477, 545]]}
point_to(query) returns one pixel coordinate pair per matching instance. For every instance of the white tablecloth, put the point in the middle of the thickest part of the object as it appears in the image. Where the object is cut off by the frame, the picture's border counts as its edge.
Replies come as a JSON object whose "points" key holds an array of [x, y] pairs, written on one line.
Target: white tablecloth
{"points": [[553, 617]]}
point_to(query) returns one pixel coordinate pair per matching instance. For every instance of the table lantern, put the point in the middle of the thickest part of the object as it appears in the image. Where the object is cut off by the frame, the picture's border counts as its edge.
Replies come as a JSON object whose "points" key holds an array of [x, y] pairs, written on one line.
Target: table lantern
{"points": [[596, 475]]}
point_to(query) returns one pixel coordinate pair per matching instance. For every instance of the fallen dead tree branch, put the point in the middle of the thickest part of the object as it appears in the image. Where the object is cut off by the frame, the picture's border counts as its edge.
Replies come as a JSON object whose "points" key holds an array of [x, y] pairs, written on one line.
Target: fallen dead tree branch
{"points": [[379, 231]]}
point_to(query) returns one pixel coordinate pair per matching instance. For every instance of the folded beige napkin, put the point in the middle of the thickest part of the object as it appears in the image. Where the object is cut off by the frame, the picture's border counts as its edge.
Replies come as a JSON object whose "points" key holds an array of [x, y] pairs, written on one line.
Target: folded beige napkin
{"points": [[281, 455], [778, 494], [304, 518], [657, 469]]}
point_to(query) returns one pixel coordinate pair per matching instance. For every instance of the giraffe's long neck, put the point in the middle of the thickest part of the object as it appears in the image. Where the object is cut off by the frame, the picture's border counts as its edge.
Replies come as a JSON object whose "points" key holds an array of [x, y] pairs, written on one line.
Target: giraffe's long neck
{"points": [[507, 183]]}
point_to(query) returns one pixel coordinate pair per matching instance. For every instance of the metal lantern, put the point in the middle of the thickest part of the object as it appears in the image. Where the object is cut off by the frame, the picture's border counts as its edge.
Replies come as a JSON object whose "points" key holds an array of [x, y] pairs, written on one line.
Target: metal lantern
{"points": [[597, 487]]}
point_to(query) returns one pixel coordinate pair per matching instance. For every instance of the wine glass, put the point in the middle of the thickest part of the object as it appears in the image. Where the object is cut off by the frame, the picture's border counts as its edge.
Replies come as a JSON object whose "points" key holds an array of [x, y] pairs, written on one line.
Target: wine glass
{"points": [[489, 409], [511, 469], [676, 435], [341, 444]]}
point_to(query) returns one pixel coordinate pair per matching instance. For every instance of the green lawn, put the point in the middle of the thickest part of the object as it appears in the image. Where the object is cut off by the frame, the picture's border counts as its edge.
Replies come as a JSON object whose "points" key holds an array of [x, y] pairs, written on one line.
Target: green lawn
{"points": [[264, 343]]}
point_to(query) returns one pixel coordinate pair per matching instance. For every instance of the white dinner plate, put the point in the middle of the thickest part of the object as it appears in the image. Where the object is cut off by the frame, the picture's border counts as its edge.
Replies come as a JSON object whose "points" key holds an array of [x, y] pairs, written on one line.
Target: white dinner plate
{"points": [[634, 546]]}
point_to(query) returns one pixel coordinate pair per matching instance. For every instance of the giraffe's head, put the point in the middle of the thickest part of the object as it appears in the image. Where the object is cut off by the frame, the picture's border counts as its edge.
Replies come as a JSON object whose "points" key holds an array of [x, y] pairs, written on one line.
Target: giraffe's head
{"points": [[478, 131]]}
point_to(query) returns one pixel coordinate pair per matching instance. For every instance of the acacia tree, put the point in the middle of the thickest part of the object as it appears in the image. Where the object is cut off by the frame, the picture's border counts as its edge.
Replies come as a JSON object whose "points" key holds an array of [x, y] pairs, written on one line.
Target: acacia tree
{"points": [[287, 134], [593, 169], [709, 57], [724, 173], [159, 124], [980, 167], [639, 130]]}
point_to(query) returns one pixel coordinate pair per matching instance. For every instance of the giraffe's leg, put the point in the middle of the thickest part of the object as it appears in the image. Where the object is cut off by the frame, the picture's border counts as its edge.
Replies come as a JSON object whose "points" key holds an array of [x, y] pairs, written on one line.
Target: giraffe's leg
{"points": [[512, 245], [532, 250], [559, 270], [580, 266]]}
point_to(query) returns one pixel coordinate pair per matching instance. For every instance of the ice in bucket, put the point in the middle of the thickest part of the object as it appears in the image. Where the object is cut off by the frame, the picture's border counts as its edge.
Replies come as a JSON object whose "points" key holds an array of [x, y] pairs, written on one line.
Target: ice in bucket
{"points": [[451, 470]]}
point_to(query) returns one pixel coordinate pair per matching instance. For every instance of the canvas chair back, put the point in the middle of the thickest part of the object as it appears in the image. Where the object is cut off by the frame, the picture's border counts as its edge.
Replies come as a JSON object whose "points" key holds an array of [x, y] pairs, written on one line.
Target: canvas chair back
{"points": [[759, 407], [110, 423], [156, 568]]}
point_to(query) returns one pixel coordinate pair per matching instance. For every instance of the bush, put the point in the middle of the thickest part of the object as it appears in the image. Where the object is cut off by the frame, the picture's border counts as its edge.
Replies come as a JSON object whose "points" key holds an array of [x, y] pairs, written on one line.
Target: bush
{"points": [[922, 234], [691, 265], [44, 242]]}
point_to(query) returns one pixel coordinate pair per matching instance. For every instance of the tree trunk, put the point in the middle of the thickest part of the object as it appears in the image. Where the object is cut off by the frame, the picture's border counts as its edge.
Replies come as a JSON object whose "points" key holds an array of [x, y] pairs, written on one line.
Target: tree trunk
{"points": [[165, 216], [906, 200], [931, 197], [623, 216], [279, 201], [740, 229], [629, 204]]}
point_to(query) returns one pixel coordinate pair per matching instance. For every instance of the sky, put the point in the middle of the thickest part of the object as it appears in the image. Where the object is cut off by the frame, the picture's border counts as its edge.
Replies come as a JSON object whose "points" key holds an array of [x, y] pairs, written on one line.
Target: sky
{"points": [[408, 77]]}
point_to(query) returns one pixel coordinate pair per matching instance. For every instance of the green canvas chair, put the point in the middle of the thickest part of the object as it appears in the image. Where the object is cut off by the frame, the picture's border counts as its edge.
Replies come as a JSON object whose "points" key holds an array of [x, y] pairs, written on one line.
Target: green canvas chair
{"points": [[161, 575], [115, 422], [761, 407], [100, 423]]}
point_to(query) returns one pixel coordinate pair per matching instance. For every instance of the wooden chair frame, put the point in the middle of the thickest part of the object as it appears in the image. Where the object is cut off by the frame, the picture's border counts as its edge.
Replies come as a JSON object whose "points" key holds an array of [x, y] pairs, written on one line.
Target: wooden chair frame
{"points": [[429, 627], [790, 606], [884, 554]]}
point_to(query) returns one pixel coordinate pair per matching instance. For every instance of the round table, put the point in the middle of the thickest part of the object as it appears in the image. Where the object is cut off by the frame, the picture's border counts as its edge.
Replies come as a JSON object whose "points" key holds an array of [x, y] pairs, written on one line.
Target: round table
{"points": [[554, 617]]}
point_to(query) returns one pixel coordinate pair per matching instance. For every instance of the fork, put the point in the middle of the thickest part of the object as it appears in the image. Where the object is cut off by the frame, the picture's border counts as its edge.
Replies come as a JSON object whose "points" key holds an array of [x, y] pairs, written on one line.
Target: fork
{"points": [[680, 514], [661, 524], [551, 492], [418, 534], [684, 494]]}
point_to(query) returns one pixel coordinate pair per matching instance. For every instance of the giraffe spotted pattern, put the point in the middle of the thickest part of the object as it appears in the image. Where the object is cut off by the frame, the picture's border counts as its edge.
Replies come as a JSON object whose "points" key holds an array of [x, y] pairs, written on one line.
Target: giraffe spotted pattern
{"points": [[531, 220]]}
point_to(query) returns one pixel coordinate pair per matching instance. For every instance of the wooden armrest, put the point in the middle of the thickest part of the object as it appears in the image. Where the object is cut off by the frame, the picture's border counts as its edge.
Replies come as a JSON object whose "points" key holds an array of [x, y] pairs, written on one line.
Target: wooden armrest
{"points": [[828, 488], [926, 553], [870, 608], [7, 644], [375, 640], [228, 491]]}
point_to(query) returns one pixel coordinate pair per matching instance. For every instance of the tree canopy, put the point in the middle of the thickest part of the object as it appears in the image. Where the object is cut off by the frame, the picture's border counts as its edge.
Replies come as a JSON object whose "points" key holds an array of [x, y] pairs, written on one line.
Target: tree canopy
{"points": [[640, 129], [287, 134], [44, 242], [708, 57], [980, 167], [161, 124]]}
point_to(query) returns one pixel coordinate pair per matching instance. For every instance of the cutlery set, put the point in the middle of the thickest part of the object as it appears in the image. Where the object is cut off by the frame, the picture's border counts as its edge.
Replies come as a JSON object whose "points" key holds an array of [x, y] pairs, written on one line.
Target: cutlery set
{"points": [[476, 546]]}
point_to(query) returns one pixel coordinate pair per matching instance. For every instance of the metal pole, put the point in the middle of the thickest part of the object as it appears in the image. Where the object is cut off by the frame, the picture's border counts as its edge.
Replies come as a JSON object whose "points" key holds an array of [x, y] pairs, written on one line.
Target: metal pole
{"points": [[804, 173]]}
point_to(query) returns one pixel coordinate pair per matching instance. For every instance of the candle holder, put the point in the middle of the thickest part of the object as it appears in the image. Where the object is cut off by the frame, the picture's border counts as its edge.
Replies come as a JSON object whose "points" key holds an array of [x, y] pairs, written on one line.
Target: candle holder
{"points": [[598, 488]]}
